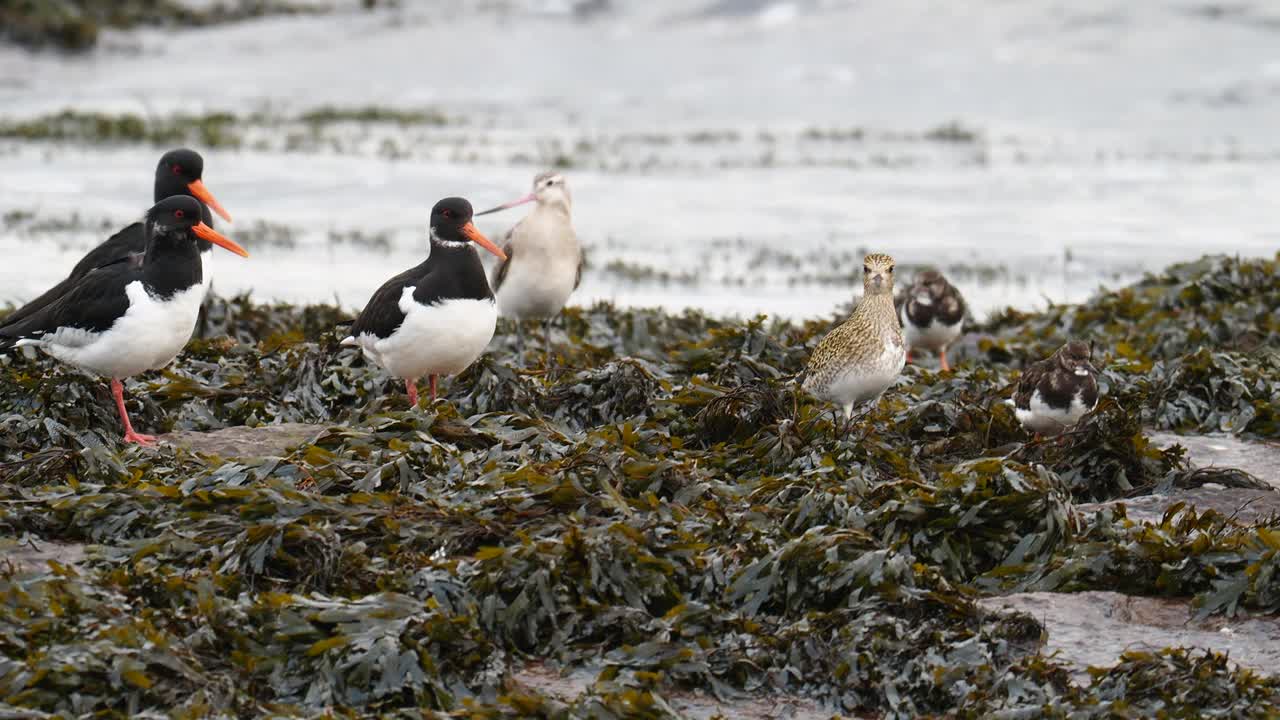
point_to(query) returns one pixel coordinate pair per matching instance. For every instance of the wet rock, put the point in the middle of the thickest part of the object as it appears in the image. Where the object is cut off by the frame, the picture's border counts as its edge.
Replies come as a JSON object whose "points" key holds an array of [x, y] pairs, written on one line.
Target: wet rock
{"points": [[1094, 628], [1258, 499], [27, 556], [693, 705], [1258, 458], [246, 442]]}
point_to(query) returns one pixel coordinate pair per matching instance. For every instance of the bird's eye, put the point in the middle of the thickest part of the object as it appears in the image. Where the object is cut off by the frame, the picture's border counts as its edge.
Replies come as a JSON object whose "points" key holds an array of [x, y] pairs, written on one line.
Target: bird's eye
{"points": [[866, 269], [447, 213], [178, 213], [891, 268], [177, 169]]}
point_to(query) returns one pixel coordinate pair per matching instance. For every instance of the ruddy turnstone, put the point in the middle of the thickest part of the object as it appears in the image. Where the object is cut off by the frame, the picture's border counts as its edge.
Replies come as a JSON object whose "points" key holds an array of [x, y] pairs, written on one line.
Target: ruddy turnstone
{"points": [[436, 318], [932, 313], [133, 315], [860, 359], [1053, 394], [544, 260]]}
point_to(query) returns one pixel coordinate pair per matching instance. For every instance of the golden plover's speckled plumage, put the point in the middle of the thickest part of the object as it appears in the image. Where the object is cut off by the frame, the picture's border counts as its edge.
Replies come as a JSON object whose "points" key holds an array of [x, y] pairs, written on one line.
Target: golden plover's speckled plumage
{"points": [[860, 359]]}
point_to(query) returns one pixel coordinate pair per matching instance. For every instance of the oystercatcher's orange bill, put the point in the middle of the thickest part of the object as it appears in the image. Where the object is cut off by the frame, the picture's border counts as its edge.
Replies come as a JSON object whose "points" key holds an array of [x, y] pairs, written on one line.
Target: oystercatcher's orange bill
{"points": [[219, 239], [198, 189], [474, 236]]}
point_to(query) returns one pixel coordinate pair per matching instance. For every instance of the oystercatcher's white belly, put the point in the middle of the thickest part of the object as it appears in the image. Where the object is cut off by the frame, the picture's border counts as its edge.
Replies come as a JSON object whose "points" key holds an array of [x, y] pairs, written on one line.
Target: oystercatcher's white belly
{"points": [[149, 335], [206, 270], [439, 339]]}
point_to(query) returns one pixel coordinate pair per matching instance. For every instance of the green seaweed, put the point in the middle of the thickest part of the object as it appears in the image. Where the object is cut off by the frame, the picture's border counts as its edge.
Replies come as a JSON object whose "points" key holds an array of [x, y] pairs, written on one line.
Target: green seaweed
{"points": [[653, 502]]}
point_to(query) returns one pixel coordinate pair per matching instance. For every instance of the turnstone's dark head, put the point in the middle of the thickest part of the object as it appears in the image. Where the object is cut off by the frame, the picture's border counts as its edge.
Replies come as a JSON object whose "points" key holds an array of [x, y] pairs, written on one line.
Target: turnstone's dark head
{"points": [[451, 225], [877, 274], [931, 300], [181, 172], [177, 218], [1074, 357]]}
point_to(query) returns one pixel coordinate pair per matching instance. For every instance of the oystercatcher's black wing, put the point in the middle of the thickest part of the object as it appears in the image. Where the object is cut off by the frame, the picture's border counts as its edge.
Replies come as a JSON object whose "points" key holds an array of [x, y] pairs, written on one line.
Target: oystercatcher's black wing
{"points": [[382, 315], [93, 304], [119, 247]]}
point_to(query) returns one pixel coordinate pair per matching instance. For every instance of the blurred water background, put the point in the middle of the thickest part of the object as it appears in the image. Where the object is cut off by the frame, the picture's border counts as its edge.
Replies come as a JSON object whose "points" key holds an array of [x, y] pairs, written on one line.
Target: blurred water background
{"points": [[737, 156]]}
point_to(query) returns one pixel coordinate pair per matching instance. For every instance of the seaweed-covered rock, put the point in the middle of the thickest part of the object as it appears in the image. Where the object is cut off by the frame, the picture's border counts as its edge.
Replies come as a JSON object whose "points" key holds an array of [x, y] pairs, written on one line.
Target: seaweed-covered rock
{"points": [[652, 503]]}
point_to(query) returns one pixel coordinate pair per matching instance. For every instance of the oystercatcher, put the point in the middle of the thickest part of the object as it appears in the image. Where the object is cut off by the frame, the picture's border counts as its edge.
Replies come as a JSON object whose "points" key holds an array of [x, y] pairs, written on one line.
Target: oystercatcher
{"points": [[1053, 394], [133, 315], [856, 362], [179, 172], [544, 260], [436, 318], [932, 313]]}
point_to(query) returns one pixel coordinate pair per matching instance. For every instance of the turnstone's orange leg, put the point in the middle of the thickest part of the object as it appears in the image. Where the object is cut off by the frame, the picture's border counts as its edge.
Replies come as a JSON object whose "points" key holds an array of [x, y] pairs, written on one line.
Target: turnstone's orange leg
{"points": [[943, 355]]}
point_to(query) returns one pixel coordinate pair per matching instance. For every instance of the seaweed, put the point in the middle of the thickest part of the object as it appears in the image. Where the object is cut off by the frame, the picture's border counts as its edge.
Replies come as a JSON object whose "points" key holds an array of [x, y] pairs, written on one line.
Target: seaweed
{"points": [[74, 25], [650, 501]]}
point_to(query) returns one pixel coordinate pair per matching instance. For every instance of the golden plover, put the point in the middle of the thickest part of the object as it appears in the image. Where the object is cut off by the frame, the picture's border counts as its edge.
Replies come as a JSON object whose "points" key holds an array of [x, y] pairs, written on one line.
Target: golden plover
{"points": [[856, 362]]}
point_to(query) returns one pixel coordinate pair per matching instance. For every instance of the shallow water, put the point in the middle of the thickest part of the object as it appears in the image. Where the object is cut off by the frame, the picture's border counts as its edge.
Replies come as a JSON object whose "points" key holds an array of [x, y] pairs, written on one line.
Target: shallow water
{"points": [[1109, 142]]}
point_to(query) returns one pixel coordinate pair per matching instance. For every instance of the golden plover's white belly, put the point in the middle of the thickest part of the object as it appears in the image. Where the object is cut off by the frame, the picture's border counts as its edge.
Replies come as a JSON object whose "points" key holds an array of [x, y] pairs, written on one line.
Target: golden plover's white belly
{"points": [[439, 339], [148, 336], [867, 381]]}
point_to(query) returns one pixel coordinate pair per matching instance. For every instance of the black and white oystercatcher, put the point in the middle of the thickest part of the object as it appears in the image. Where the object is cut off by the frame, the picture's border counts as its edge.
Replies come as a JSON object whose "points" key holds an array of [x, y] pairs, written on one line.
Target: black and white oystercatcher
{"points": [[132, 315], [932, 314], [1053, 394], [544, 260], [179, 172], [436, 318]]}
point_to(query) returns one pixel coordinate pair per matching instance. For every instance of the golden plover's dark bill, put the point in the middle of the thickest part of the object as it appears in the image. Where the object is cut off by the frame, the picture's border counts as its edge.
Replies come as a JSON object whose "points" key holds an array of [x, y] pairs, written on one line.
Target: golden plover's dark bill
{"points": [[857, 361], [1056, 392], [932, 314]]}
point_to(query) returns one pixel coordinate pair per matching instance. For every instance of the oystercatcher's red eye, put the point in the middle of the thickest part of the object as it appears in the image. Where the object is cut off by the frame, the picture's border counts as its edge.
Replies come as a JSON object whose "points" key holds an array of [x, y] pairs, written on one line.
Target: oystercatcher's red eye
{"points": [[447, 213], [177, 169], [178, 213]]}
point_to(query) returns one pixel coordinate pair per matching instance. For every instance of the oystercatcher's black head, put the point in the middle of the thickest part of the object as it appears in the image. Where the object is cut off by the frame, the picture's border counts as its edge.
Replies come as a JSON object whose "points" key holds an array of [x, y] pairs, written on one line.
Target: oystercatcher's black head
{"points": [[451, 223], [1074, 358], [178, 218], [181, 172]]}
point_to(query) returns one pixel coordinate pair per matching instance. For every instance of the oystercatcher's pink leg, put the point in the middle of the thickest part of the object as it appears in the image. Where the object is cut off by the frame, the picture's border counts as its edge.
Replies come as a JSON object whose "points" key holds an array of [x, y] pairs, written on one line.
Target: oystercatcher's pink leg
{"points": [[412, 388], [117, 391]]}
